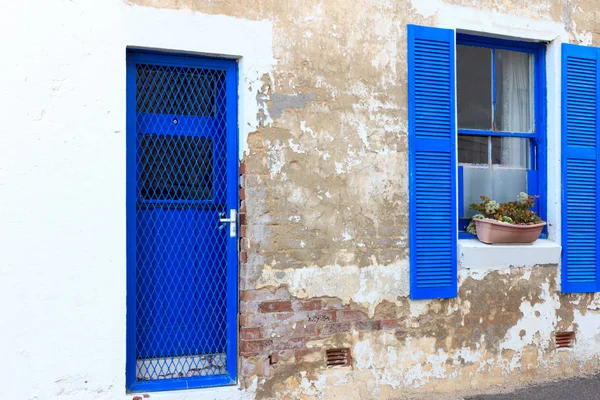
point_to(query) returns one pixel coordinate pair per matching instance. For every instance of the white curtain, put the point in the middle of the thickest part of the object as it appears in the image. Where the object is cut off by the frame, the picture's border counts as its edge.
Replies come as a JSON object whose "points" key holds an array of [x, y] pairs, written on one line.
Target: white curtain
{"points": [[514, 103]]}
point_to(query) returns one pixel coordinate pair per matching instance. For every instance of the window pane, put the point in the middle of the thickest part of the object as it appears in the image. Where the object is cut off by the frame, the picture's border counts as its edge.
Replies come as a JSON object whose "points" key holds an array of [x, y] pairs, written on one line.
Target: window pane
{"points": [[508, 183], [500, 184], [474, 88], [514, 91], [510, 152], [476, 181], [473, 149]]}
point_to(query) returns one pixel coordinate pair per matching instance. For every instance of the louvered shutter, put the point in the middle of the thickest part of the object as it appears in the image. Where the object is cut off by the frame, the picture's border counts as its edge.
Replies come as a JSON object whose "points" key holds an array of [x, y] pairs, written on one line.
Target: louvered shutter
{"points": [[432, 162], [580, 146]]}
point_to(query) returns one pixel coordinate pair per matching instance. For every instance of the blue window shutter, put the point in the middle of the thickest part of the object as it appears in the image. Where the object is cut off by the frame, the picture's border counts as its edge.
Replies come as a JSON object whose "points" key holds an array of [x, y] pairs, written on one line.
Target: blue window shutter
{"points": [[432, 162], [580, 146]]}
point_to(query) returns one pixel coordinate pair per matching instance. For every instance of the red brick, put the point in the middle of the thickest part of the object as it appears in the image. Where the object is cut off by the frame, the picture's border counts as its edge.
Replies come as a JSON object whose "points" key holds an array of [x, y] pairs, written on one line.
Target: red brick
{"points": [[331, 329], [321, 316], [310, 305], [367, 325], [388, 324], [243, 320], [250, 333], [243, 219], [255, 346], [302, 330], [243, 230], [350, 316], [243, 257], [276, 306], [242, 168], [293, 343], [334, 304], [285, 316], [242, 194]]}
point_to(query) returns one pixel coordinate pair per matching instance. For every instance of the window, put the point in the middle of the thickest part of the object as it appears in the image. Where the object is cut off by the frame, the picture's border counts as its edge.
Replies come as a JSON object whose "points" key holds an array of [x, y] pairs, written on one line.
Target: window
{"points": [[500, 126], [476, 125]]}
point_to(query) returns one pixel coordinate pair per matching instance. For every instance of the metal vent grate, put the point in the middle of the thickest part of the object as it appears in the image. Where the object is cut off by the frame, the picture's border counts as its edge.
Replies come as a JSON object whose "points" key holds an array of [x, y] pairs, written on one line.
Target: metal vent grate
{"points": [[564, 339], [338, 358]]}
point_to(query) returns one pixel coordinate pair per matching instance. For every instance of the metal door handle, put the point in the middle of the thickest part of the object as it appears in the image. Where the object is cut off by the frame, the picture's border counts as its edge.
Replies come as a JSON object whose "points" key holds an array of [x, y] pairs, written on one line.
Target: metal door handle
{"points": [[232, 222]]}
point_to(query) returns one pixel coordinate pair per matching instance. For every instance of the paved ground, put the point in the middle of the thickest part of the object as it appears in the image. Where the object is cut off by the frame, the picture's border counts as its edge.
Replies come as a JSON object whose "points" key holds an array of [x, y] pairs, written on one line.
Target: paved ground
{"points": [[576, 389]]}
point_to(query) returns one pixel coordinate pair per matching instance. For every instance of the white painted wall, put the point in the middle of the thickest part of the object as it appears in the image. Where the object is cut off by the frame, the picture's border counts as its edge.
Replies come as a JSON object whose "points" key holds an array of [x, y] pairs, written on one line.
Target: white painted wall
{"points": [[62, 182]]}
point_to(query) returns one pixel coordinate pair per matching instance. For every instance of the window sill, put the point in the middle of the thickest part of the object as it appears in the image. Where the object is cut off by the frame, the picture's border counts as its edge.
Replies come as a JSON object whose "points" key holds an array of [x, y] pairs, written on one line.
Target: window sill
{"points": [[475, 255]]}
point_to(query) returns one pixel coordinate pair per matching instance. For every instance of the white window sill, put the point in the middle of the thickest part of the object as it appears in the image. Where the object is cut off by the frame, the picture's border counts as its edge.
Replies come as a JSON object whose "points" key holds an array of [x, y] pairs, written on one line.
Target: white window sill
{"points": [[475, 255]]}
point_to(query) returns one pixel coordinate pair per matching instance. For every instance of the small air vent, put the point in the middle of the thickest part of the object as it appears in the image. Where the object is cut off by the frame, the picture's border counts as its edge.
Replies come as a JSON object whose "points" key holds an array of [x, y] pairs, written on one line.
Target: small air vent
{"points": [[564, 339], [338, 358]]}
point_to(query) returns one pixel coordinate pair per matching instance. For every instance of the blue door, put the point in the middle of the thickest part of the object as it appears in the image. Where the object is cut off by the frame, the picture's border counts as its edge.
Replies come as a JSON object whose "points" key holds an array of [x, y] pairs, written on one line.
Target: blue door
{"points": [[182, 196]]}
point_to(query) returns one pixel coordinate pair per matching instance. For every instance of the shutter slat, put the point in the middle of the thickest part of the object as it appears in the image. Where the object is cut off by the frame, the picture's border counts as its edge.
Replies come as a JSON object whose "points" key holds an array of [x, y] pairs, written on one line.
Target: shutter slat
{"points": [[580, 169], [432, 162]]}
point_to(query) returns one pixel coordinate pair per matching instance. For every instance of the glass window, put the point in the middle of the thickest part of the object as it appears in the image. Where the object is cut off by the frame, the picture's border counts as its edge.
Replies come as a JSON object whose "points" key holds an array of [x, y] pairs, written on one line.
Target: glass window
{"points": [[474, 82], [492, 166], [514, 91], [495, 95]]}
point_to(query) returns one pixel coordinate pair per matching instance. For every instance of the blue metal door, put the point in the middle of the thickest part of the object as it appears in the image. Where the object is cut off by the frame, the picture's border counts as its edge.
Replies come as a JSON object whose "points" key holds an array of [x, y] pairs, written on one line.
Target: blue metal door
{"points": [[182, 196]]}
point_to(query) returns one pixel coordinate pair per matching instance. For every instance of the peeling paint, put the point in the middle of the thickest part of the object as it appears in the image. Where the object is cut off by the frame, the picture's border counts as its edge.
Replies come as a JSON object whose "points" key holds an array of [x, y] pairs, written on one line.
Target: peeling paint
{"points": [[366, 286]]}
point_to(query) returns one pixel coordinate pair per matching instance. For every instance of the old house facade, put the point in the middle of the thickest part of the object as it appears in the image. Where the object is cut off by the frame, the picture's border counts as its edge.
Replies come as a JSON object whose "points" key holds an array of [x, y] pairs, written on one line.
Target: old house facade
{"points": [[343, 139]]}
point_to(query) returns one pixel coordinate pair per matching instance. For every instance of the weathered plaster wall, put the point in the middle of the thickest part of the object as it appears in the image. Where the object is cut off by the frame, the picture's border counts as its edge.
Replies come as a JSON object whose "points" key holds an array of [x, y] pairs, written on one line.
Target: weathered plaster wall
{"points": [[323, 120]]}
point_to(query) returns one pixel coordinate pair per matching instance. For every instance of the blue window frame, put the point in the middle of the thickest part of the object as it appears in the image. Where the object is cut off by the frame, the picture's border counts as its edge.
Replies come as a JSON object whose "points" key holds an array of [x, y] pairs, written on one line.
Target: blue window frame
{"points": [[182, 178], [536, 173]]}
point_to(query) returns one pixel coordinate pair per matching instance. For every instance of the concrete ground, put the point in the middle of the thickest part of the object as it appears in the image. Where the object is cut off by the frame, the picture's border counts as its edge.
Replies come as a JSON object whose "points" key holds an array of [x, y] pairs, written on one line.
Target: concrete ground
{"points": [[587, 388]]}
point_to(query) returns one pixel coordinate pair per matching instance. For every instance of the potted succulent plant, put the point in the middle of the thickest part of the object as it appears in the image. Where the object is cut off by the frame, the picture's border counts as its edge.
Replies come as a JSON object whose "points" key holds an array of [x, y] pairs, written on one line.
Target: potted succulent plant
{"points": [[510, 222]]}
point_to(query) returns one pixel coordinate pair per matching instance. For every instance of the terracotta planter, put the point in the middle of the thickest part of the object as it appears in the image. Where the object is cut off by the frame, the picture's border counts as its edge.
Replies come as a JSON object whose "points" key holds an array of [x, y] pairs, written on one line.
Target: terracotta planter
{"points": [[489, 231]]}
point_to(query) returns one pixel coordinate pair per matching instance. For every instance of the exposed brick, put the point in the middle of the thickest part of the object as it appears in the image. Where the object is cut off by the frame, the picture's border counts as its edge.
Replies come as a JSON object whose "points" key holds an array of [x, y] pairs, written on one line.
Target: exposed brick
{"points": [[350, 315], [291, 329], [293, 343], [321, 316], [250, 333], [243, 257], [273, 358], [334, 304], [255, 346], [243, 230], [264, 295], [310, 305], [331, 329], [242, 194], [367, 325], [243, 320], [242, 168], [388, 324], [286, 316], [275, 306], [247, 307], [243, 219]]}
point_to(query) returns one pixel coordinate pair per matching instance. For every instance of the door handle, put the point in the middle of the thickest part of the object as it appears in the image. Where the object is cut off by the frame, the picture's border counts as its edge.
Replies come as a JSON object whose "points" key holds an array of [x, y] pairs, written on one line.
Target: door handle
{"points": [[232, 222]]}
